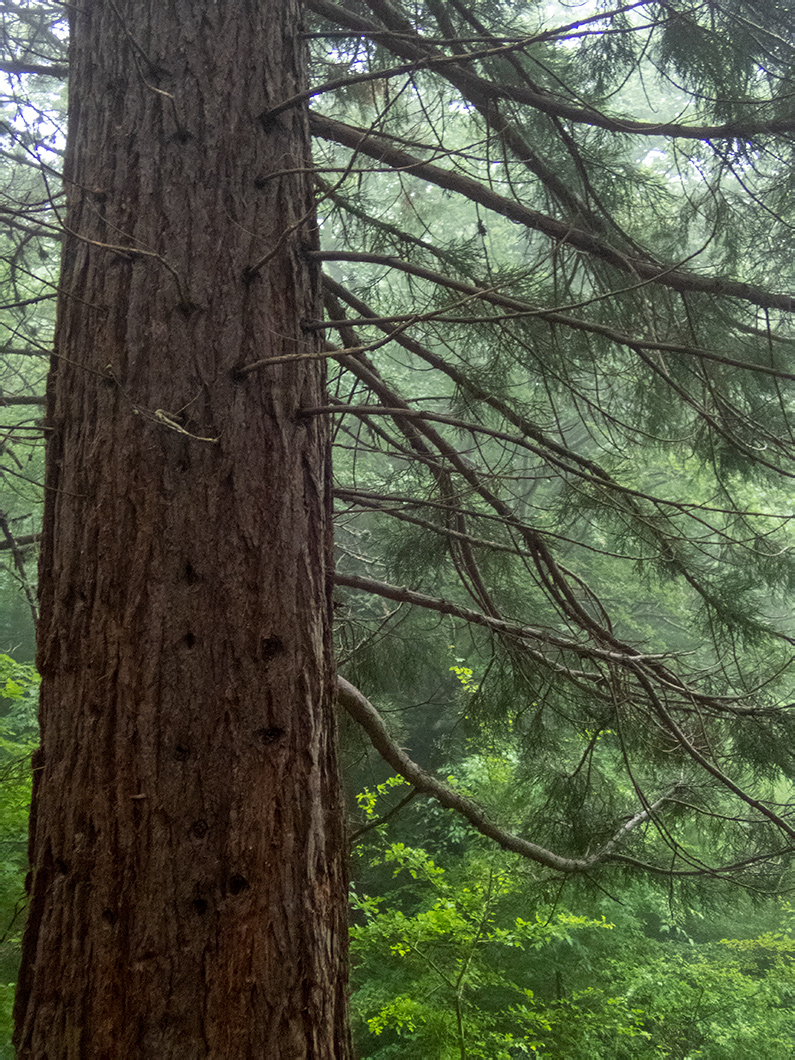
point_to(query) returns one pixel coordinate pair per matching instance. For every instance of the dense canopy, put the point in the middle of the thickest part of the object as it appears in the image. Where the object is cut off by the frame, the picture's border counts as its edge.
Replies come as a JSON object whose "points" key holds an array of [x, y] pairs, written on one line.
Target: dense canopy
{"points": [[556, 254], [555, 248]]}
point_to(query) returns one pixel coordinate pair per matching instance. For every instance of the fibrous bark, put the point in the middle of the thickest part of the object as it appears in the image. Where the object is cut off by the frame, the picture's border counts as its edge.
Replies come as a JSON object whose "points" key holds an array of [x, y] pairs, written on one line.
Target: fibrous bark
{"points": [[188, 885]]}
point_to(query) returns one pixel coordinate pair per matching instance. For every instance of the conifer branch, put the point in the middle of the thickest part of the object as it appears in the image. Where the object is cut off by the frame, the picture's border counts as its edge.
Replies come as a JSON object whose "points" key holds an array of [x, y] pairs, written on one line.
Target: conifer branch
{"points": [[706, 763], [362, 711], [551, 577], [518, 310], [624, 656], [563, 234], [570, 459], [406, 43]]}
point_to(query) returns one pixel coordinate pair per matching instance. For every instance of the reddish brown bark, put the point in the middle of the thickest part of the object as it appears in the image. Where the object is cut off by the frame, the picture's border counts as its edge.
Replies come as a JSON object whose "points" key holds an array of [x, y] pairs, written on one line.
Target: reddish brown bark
{"points": [[188, 885]]}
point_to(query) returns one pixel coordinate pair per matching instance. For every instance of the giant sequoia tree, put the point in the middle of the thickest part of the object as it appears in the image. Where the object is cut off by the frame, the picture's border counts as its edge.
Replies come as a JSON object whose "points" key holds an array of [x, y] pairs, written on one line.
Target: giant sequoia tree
{"points": [[556, 271], [188, 890]]}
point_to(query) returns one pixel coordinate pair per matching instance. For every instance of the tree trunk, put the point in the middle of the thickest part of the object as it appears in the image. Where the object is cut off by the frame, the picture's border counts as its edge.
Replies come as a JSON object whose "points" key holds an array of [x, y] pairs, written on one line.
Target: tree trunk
{"points": [[188, 884]]}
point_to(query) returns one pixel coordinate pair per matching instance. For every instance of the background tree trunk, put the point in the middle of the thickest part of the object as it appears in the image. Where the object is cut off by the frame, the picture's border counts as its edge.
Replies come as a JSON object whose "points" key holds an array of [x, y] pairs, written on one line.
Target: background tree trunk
{"points": [[188, 886]]}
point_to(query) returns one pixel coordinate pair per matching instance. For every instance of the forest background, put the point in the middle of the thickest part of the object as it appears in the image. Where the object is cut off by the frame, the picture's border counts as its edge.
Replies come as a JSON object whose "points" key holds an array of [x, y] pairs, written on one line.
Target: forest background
{"points": [[557, 252]]}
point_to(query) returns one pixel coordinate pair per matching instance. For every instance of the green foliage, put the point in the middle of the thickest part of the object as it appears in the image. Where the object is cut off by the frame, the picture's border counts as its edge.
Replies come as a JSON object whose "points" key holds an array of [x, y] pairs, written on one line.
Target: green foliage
{"points": [[448, 964], [609, 468], [429, 964], [19, 684]]}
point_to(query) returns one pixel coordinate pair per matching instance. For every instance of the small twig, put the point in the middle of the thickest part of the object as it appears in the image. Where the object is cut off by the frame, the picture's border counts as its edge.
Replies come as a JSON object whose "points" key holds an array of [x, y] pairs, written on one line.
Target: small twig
{"points": [[137, 252], [355, 836], [160, 416], [19, 563]]}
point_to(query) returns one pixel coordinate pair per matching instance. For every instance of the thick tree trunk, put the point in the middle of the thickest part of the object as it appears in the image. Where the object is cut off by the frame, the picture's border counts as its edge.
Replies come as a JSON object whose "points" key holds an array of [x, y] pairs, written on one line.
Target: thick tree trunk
{"points": [[188, 884]]}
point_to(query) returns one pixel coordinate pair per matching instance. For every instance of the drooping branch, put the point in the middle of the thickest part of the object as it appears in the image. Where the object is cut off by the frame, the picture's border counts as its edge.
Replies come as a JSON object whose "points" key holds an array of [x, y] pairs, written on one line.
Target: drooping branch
{"points": [[693, 510], [362, 711], [481, 90], [553, 452], [517, 310], [530, 635], [557, 582], [561, 233], [399, 505]]}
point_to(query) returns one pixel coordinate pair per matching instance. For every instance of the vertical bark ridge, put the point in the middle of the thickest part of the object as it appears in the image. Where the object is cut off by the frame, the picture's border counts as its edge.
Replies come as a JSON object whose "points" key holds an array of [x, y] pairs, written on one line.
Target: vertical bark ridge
{"points": [[188, 880]]}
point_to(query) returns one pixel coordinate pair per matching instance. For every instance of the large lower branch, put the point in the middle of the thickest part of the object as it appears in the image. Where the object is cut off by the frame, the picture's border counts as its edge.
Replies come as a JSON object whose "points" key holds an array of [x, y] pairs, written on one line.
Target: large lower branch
{"points": [[362, 711], [668, 275]]}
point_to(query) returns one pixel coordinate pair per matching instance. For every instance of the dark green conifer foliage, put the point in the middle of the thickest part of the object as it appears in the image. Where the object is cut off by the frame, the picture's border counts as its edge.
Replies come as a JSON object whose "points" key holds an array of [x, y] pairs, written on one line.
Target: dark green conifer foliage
{"points": [[568, 428], [557, 250]]}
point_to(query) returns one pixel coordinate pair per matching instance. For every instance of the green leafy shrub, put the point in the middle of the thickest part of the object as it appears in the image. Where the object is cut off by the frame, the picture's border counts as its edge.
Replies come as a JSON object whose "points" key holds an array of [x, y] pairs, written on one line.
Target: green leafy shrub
{"points": [[19, 686], [471, 960]]}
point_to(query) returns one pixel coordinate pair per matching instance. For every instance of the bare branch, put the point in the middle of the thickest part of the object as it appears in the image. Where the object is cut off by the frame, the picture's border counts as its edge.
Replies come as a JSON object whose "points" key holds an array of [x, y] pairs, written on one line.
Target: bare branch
{"points": [[19, 562]]}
